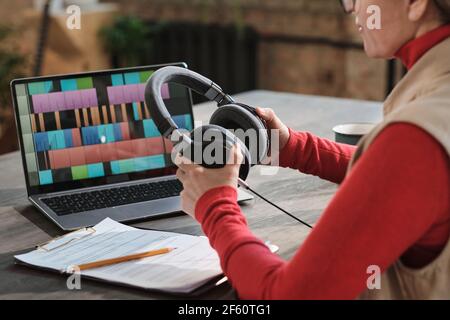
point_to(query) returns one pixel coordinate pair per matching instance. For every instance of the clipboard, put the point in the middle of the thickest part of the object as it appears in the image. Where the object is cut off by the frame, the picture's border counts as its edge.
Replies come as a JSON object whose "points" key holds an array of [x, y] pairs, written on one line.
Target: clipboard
{"points": [[70, 239], [41, 257], [43, 246]]}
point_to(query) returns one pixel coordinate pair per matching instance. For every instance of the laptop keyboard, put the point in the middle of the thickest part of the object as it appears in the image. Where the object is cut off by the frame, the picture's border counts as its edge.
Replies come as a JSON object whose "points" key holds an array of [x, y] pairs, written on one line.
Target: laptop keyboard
{"points": [[117, 196]]}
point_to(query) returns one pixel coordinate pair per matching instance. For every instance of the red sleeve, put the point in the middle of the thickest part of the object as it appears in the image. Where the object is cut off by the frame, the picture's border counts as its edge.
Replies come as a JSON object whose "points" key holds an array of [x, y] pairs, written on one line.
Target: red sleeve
{"points": [[313, 155], [392, 197]]}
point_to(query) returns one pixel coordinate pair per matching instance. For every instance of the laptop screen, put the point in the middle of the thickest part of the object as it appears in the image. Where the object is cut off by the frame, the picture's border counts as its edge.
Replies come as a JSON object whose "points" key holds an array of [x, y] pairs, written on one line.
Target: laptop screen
{"points": [[93, 129]]}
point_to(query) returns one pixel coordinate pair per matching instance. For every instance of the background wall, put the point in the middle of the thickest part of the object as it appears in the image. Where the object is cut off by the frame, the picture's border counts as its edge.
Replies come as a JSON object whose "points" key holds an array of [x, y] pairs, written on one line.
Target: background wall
{"points": [[305, 46], [285, 64]]}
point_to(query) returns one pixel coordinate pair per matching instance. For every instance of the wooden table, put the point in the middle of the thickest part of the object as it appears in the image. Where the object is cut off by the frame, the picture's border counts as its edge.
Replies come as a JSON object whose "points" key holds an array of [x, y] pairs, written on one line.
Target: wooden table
{"points": [[22, 226]]}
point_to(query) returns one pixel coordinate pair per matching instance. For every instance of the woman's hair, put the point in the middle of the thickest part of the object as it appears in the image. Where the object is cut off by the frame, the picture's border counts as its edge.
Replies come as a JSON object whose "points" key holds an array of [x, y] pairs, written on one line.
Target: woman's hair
{"points": [[444, 8]]}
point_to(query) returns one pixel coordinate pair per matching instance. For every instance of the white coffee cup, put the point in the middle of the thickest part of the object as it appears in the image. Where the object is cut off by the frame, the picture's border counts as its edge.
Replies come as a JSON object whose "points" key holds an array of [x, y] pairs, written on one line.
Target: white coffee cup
{"points": [[351, 133]]}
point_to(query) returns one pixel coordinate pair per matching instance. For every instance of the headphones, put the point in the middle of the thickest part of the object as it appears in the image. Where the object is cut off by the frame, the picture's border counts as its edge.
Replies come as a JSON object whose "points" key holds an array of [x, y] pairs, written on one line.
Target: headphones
{"points": [[229, 116]]}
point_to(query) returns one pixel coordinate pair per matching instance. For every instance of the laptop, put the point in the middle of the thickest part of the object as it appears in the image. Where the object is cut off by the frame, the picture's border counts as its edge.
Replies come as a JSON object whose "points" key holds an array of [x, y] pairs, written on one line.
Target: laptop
{"points": [[91, 150]]}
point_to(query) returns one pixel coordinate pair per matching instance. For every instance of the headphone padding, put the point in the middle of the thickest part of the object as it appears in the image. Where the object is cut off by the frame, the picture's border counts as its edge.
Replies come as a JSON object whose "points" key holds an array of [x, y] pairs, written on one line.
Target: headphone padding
{"points": [[236, 116], [231, 139]]}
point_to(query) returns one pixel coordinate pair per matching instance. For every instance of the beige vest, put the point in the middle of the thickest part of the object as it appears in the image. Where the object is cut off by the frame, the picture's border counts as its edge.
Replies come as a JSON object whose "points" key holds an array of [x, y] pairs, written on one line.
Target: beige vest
{"points": [[423, 99]]}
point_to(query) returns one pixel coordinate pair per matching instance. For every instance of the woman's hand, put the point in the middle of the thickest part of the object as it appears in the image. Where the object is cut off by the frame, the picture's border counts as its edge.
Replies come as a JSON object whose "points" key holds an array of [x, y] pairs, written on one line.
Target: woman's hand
{"points": [[197, 180], [274, 123]]}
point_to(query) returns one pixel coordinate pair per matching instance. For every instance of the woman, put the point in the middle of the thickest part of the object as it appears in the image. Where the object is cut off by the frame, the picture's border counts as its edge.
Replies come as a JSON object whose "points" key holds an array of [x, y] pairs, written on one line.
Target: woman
{"points": [[401, 223]]}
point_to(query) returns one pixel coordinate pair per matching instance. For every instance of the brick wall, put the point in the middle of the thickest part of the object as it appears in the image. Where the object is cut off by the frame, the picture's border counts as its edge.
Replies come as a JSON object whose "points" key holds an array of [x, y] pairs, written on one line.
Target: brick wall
{"points": [[283, 65], [306, 68], [11, 14], [287, 66]]}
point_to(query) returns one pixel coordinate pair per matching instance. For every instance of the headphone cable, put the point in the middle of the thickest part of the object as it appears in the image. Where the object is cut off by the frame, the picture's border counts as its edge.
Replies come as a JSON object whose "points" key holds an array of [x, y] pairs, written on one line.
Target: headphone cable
{"points": [[247, 187]]}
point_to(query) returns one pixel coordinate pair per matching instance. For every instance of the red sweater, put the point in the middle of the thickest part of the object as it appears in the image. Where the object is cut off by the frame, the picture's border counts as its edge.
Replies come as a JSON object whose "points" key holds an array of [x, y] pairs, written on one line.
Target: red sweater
{"points": [[395, 203]]}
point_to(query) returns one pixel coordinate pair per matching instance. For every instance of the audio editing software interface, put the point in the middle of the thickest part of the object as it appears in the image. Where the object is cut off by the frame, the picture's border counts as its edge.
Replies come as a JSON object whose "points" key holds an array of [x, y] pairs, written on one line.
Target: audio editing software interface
{"points": [[89, 127]]}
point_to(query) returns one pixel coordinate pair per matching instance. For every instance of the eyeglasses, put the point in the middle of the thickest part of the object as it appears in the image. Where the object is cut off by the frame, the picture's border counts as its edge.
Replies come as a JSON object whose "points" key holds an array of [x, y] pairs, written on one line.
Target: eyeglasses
{"points": [[348, 5]]}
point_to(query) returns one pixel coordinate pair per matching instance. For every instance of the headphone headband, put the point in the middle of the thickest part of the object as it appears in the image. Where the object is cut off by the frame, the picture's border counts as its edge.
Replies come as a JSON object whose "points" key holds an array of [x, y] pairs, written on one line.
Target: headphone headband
{"points": [[182, 76]]}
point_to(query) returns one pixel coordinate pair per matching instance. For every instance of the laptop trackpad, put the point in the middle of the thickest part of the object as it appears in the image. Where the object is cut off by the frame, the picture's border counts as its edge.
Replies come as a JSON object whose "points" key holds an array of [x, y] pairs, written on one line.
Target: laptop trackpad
{"points": [[147, 209], [157, 207]]}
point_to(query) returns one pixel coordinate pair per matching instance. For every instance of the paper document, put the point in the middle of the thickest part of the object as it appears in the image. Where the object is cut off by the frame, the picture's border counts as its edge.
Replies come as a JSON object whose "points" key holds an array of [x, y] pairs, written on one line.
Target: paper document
{"points": [[183, 270]]}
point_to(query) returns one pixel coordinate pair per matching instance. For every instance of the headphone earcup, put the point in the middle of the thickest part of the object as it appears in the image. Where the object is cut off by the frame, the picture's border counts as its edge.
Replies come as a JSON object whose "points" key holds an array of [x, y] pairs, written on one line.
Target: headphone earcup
{"points": [[239, 116], [207, 139]]}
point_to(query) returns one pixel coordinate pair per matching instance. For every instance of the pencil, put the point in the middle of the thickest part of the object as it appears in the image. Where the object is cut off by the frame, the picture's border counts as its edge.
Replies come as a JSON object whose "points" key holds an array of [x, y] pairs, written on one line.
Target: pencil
{"points": [[136, 256]]}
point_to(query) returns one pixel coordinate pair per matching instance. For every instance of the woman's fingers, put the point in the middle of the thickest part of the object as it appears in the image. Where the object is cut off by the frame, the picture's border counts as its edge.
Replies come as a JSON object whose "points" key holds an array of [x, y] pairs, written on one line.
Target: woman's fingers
{"points": [[180, 175], [266, 114], [270, 117], [274, 123], [184, 163], [236, 156]]}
